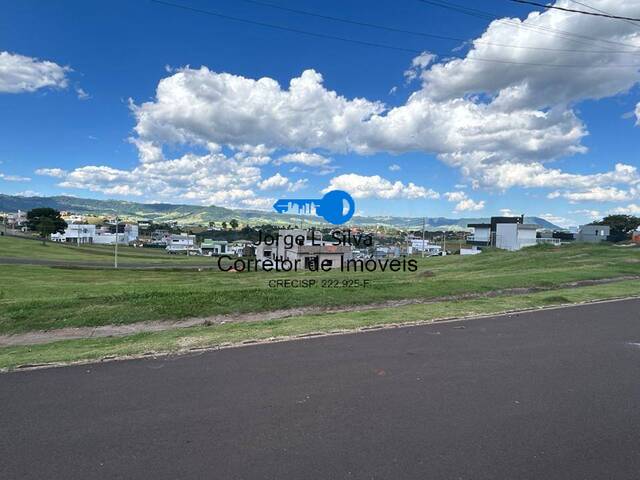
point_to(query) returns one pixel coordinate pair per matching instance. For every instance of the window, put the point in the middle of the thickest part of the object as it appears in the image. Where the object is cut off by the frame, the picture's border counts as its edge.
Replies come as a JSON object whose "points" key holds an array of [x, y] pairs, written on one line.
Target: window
{"points": [[311, 263]]}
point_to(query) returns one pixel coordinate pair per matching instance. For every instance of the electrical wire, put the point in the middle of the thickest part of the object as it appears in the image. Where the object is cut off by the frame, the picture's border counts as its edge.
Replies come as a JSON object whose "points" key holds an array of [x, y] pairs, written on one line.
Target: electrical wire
{"points": [[601, 11], [428, 35], [574, 37], [378, 45], [571, 10]]}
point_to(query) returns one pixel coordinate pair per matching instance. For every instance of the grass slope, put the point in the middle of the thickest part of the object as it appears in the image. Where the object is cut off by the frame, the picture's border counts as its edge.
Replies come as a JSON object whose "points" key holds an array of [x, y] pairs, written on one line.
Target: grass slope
{"points": [[27, 248], [43, 298], [205, 337]]}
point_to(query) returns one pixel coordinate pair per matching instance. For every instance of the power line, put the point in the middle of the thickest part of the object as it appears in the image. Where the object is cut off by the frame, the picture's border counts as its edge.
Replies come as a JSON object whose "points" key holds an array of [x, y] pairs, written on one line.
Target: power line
{"points": [[571, 10], [573, 37], [425, 34], [288, 29], [378, 45], [601, 11]]}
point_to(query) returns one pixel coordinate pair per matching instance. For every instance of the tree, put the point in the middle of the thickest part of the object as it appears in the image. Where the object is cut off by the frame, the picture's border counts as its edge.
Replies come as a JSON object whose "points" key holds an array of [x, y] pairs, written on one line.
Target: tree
{"points": [[224, 225], [621, 226], [45, 221], [233, 223]]}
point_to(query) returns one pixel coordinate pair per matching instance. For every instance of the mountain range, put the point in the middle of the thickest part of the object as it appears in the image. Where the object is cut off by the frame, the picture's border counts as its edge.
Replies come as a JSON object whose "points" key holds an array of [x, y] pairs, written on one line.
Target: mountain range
{"points": [[195, 214]]}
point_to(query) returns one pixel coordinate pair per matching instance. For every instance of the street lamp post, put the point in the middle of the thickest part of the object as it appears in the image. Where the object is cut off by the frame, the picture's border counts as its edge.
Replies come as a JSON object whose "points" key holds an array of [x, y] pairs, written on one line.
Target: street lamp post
{"points": [[115, 264]]}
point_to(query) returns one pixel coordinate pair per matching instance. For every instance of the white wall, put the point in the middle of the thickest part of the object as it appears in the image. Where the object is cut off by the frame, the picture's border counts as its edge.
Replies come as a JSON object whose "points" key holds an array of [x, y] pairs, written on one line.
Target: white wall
{"points": [[507, 236], [511, 236], [527, 237], [481, 234]]}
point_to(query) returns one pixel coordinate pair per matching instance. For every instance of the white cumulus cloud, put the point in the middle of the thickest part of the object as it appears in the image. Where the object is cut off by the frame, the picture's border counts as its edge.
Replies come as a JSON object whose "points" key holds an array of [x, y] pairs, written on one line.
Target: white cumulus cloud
{"points": [[455, 196], [304, 158], [499, 115], [360, 186], [469, 205], [631, 209], [274, 182], [13, 178], [19, 73], [51, 172]]}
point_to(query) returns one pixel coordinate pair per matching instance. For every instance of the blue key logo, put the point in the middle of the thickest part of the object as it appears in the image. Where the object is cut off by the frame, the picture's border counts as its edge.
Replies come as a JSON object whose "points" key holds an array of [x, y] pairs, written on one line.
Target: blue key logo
{"points": [[335, 207]]}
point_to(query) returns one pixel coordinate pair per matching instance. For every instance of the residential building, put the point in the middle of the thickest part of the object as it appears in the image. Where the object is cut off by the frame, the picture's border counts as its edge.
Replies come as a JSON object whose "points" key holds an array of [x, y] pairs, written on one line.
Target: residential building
{"points": [[635, 236], [16, 220], [419, 245], [593, 233], [182, 239], [106, 235], [161, 237], [242, 248], [211, 247], [297, 247], [508, 233], [76, 233], [481, 235], [514, 236], [90, 234], [72, 217], [181, 243]]}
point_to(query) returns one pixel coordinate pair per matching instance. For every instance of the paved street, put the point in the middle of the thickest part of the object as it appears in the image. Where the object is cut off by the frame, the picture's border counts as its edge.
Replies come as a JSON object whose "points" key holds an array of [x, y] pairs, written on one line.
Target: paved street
{"points": [[546, 395]]}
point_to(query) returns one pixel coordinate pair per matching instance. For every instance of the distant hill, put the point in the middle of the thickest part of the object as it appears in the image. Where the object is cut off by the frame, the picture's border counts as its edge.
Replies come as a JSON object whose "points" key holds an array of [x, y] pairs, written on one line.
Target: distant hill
{"points": [[195, 214]]}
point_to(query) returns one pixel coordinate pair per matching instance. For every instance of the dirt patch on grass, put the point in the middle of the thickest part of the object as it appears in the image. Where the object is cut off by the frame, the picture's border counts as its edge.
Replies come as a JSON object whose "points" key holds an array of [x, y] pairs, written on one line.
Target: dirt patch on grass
{"points": [[38, 337]]}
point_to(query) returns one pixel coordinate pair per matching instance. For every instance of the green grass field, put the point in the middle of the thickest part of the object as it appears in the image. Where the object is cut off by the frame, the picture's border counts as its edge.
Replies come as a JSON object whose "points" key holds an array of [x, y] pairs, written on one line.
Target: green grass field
{"points": [[186, 339], [44, 298]]}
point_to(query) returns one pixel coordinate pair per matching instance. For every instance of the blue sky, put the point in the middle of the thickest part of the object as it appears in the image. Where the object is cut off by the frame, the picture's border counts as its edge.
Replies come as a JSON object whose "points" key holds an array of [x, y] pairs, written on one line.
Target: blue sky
{"points": [[459, 139]]}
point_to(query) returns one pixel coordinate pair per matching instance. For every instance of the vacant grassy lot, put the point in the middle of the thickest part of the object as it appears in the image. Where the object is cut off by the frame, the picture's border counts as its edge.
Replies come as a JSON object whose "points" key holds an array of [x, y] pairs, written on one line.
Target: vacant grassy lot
{"points": [[25, 248], [43, 298]]}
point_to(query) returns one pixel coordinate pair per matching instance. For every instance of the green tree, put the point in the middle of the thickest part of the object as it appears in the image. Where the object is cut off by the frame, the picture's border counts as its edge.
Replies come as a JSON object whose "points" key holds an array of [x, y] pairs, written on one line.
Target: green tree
{"points": [[224, 225], [45, 221], [233, 223], [621, 226]]}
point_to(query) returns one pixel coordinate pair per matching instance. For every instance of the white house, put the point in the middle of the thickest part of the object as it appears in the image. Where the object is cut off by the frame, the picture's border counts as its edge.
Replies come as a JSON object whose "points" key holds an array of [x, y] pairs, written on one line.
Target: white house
{"points": [[181, 243], [296, 246], [75, 233], [508, 233], [593, 233], [211, 247], [105, 236], [481, 234], [419, 245], [81, 234], [514, 236]]}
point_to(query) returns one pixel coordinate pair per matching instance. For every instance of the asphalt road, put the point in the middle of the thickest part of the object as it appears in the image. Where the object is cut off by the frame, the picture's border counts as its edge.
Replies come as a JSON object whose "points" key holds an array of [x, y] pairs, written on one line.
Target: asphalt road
{"points": [[546, 395]]}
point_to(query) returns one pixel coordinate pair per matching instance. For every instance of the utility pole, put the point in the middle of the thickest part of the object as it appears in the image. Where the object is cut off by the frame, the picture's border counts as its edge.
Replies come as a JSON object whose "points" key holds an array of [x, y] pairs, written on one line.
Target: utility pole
{"points": [[115, 264], [424, 220]]}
